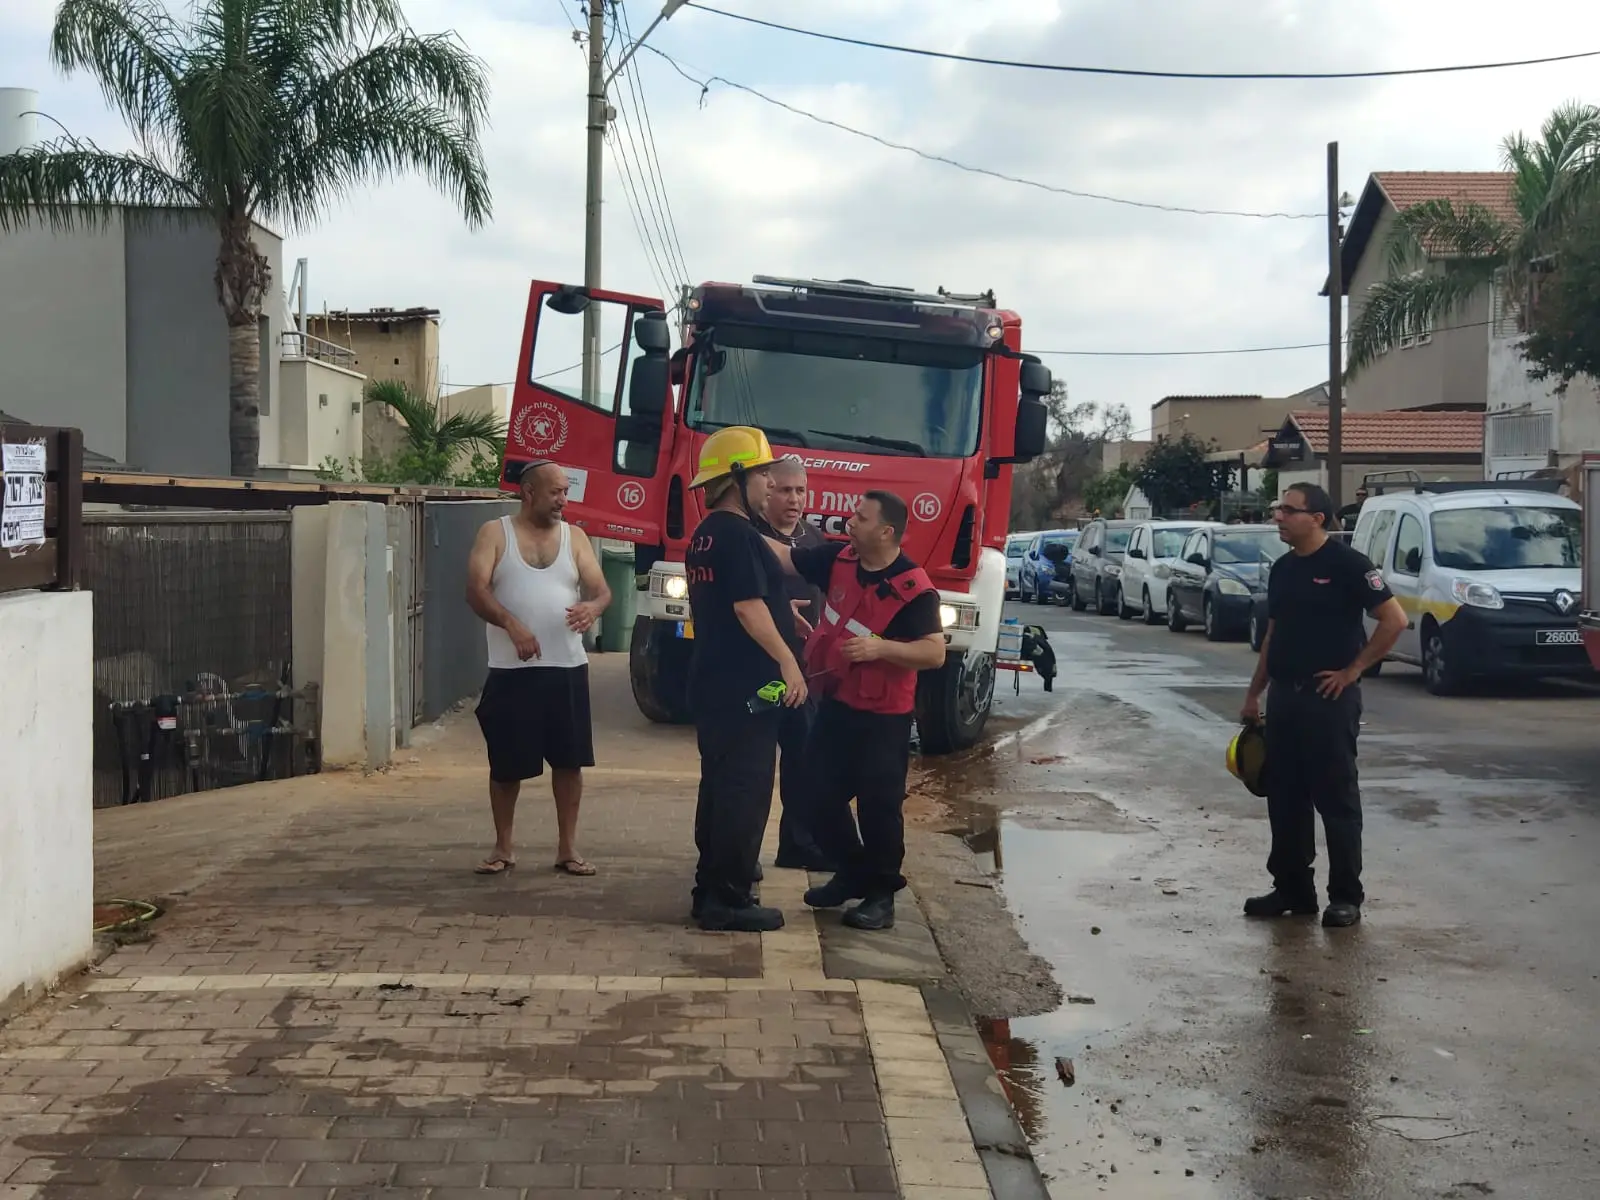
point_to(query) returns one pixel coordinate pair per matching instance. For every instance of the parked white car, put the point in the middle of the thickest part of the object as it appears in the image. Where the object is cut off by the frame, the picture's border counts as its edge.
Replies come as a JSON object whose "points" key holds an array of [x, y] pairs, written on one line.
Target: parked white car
{"points": [[1147, 565], [1016, 547]]}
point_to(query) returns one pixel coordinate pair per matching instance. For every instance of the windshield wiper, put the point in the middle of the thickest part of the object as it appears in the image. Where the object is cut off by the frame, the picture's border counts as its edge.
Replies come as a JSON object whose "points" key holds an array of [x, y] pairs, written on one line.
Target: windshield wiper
{"points": [[871, 439], [772, 431]]}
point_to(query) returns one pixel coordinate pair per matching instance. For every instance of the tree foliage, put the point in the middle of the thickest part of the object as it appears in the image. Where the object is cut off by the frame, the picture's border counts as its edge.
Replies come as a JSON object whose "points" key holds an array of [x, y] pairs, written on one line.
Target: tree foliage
{"points": [[1175, 475], [1442, 254], [1104, 493], [252, 110], [462, 450], [1052, 486], [1565, 341]]}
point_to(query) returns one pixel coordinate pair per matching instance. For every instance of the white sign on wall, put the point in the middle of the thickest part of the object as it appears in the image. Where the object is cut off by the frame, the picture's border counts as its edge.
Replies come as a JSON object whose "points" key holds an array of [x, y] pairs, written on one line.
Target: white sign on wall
{"points": [[22, 495]]}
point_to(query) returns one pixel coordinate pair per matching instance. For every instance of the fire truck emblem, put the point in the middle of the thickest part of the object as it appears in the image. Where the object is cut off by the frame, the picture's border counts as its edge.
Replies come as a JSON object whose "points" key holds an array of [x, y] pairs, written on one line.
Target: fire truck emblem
{"points": [[540, 428], [926, 507], [631, 495]]}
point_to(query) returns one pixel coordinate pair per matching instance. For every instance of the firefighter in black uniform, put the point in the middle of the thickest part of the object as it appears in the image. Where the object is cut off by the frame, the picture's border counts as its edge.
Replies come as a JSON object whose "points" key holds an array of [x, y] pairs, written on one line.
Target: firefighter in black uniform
{"points": [[743, 627], [1312, 660], [879, 626], [782, 517]]}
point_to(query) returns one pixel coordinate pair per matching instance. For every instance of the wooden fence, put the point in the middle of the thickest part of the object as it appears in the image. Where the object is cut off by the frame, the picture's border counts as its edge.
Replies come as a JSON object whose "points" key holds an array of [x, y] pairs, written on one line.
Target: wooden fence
{"points": [[41, 507]]}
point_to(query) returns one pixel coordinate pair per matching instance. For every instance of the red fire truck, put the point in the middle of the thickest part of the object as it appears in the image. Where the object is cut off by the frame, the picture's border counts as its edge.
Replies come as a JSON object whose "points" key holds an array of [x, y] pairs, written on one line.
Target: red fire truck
{"points": [[927, 395]]}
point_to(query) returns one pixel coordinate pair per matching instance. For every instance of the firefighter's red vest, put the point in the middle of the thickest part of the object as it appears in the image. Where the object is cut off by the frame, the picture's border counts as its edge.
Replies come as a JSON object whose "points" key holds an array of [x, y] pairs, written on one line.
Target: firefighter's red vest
{"points": [[851, 610]]}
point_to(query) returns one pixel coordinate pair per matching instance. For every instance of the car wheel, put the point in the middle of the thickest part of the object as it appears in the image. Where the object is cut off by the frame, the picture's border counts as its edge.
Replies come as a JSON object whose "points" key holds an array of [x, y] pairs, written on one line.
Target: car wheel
{"points": [[1175, 621], [1255, 631], [1102, 603], [1148, 609], [1212, 622], [1438, 676], [1124, 613], [1075, 597]]}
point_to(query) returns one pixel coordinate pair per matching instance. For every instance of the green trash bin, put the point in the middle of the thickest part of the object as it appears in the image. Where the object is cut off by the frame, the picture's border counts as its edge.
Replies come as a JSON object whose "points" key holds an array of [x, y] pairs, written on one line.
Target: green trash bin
{"points": [[616, 623]]}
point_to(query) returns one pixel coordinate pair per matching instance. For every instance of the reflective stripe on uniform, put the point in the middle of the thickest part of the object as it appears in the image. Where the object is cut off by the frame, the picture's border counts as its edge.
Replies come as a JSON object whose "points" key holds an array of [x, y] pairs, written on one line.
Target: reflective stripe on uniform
{"points": [[828, 615], [857, 628]]}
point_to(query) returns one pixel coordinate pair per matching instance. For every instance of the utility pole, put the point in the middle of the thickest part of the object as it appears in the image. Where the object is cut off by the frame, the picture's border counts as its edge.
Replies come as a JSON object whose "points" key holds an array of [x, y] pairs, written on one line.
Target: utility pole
{"points": [[601, 112], [591, 212], [1335, 456]]}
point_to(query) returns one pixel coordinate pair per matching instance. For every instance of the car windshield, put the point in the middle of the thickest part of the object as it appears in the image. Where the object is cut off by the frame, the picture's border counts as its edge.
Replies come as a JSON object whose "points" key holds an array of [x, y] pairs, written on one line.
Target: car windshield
{"points": [[1507, 539], [824, 391], [1015, 549], [1117, 540], [1167, 542], [1236, 549]]}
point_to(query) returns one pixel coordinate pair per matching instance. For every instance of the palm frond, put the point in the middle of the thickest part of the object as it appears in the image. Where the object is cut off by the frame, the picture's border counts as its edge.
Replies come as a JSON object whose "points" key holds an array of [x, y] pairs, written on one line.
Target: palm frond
{"points": [[71, 181], [1410, 306], [471, 429], [1439, 228], [421, 418], [435, 68], [362, 148], [135, 51]]}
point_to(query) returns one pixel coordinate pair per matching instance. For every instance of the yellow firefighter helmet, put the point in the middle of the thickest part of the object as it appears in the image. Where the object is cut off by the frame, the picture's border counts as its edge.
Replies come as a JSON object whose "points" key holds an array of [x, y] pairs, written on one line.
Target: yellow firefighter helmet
{"points": [[742, 446], [1247, 758]]}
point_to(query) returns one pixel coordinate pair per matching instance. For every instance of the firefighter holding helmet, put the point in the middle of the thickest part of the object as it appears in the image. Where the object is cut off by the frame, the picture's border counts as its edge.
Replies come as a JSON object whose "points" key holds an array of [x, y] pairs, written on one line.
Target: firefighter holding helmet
{"points": [[743, 628]]}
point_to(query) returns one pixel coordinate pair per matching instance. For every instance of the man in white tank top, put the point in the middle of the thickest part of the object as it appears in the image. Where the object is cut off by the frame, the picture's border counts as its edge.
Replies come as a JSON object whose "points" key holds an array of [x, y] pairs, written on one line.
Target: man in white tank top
{"points": [[528, 577]]}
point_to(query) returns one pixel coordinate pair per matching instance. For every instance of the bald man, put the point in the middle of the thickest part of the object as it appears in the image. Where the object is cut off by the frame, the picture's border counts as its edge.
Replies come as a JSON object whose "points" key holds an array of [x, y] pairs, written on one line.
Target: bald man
{"points": [[527, 577]]}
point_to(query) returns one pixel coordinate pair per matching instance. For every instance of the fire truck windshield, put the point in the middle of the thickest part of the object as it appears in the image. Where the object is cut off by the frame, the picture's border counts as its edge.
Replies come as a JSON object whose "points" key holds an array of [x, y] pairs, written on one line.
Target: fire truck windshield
{"points": [[823, 391]]}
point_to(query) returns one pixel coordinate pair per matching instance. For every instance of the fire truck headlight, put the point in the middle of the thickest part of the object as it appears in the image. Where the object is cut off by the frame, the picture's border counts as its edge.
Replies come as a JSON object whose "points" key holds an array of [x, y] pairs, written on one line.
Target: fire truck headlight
{"points": [[676, 587], [958, 616], [947, 615]]}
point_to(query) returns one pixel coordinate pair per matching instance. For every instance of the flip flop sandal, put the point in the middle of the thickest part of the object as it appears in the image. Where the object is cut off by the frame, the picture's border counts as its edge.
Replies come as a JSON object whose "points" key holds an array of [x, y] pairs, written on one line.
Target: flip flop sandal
{"points": [[575, 866], [496, 864]]}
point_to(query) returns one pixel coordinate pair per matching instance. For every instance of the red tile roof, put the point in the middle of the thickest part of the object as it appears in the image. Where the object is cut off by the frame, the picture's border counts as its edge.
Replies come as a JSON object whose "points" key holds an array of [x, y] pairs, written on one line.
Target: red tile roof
{"points": [[1219, 396], [1396, 432], [1487, 189]]}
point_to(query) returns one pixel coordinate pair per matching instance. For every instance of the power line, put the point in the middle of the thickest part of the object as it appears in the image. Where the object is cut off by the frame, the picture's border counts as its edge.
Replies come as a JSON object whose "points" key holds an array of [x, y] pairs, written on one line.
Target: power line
{"points": [[642, 110], [705, 87], [1064, 68], [1322, 345]]}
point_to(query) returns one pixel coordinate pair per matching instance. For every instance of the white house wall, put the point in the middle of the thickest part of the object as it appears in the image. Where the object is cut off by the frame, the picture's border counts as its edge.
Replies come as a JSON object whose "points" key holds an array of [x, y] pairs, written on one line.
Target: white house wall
{"points": [[1577, 420]]}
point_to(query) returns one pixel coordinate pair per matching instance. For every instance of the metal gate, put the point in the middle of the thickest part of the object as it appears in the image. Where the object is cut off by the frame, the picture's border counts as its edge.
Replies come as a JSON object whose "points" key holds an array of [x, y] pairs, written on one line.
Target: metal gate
{"points": [[183, 603]]}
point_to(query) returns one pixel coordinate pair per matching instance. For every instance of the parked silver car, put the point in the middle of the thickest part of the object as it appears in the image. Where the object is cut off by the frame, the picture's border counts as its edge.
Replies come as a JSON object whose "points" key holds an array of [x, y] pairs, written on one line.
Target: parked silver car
{"points": [[1096, 579]]}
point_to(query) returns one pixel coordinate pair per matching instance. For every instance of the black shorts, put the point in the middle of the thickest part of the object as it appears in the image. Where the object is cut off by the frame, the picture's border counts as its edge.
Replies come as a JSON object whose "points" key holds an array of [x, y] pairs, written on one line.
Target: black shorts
{"points": [[536, 715]]}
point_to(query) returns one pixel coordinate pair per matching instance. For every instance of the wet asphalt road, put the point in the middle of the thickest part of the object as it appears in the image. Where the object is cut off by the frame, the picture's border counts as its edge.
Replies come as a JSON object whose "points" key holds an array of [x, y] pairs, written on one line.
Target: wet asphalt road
{"points": [[1444, 1048]]}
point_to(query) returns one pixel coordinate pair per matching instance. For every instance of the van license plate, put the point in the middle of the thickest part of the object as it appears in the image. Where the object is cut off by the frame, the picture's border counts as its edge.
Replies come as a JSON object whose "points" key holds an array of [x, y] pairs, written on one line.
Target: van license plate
{"points": [[686, 630], [1558, 637]]}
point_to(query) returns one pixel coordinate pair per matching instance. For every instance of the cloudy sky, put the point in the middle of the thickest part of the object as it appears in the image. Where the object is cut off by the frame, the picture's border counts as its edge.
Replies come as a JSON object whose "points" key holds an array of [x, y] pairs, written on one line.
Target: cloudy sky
{"points": [[755, 189]]}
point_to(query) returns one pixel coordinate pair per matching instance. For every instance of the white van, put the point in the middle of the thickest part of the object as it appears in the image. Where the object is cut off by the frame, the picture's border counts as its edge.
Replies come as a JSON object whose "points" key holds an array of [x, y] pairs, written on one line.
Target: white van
{"points": [[1489, 575]]}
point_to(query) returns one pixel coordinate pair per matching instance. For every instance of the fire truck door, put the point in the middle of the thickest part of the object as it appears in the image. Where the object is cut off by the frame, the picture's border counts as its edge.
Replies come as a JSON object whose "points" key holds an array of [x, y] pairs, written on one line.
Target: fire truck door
{"points": [[608, 426]]}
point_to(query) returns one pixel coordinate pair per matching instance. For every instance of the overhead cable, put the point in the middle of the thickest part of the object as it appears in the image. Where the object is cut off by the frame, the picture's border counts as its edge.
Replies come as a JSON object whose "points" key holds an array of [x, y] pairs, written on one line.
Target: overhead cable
{"points": [[705, 86], [1138, 73]]}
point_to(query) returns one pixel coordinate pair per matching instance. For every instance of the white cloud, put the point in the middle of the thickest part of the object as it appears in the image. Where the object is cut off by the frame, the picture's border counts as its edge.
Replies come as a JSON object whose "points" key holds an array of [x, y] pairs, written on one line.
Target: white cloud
{"points": [[758, 190]]}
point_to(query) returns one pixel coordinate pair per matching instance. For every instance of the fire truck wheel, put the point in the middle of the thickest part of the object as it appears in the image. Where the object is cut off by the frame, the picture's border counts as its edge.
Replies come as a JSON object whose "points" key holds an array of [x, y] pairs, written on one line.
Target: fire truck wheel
{"points": [[953, 704], [658, 669]]}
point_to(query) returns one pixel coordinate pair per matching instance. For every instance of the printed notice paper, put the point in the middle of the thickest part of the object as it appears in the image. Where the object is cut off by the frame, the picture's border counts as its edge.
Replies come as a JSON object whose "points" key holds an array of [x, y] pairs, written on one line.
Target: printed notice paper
{"points": [[22, 495]]}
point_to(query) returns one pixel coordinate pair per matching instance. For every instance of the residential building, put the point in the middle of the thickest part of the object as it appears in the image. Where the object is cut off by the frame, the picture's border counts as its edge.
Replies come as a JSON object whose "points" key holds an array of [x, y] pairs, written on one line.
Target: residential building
{"points": [[115, 328], [1130, 453], [1436, 445], [386, 344], [1229, 422], [1475, 360]]}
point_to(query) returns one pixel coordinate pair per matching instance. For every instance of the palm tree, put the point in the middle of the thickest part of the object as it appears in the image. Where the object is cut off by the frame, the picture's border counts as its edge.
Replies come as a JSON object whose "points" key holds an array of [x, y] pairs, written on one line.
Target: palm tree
{"points": [[434, 444], [253, 108], [1440, 254]]}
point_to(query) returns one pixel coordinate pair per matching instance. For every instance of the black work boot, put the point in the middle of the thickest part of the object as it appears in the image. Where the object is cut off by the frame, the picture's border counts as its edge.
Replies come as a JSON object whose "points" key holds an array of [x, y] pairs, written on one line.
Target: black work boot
{"points": [[832, 894], [1340, 916], [1279, 904], [749, 918], [875, 912]]}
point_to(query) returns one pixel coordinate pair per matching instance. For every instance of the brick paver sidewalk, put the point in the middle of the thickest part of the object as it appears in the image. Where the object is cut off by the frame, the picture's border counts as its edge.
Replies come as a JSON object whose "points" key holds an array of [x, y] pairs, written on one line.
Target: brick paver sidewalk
{"points": [[336, 1007]]}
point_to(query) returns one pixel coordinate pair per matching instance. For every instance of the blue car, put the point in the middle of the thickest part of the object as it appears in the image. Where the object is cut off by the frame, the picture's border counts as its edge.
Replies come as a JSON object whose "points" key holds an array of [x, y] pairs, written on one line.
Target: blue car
{"points": [[1038, 572]]}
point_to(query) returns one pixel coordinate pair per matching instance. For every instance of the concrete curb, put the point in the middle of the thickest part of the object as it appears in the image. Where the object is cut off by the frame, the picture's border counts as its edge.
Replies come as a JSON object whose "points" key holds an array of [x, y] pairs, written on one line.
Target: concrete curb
{"points": [[1003, 1148]]}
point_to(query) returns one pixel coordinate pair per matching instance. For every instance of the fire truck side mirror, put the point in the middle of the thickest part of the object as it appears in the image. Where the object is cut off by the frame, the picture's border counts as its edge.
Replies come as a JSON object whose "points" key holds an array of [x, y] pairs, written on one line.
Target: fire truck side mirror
{"points": [[1031, 434], [1036, 379], [678, 367], [651, 333], [647, 388]]}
